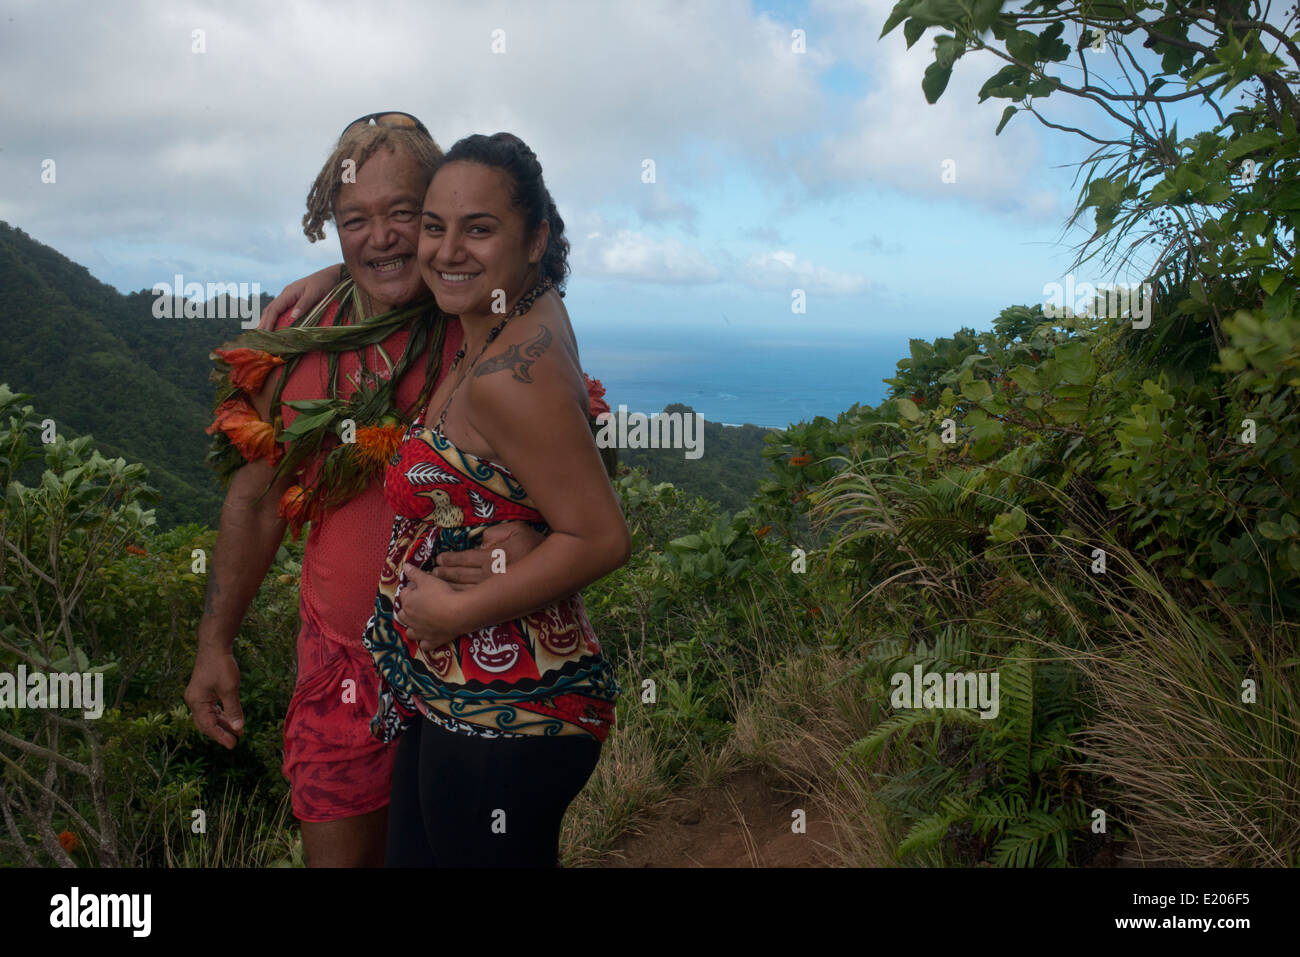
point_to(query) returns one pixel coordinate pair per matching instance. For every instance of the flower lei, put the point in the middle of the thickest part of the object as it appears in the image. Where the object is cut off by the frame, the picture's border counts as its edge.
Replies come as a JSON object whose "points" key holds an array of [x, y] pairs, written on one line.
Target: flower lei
{"points": [[348, 467]]}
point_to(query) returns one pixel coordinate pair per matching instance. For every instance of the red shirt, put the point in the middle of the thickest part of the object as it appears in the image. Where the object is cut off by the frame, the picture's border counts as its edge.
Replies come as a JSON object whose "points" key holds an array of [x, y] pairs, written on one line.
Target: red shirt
{"points": [[345, 548]]}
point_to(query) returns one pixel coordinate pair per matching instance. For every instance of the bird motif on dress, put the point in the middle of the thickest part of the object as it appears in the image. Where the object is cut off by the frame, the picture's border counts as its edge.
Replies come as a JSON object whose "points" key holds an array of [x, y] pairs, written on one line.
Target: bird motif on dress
{"points": [[445, 514]]}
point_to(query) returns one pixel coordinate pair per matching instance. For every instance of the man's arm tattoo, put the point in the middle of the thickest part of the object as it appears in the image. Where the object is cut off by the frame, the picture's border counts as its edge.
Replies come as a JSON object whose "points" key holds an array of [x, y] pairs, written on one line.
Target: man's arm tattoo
{"points": [[518, 358]]}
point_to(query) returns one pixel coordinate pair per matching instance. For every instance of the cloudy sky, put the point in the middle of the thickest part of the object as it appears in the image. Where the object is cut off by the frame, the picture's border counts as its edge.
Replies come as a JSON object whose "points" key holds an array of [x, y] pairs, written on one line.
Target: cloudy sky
{"points": [[776, 168]]}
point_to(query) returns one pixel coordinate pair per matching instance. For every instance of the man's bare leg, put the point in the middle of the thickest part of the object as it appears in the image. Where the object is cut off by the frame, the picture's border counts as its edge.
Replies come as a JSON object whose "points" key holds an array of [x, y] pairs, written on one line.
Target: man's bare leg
{"points": [[348, 842]]}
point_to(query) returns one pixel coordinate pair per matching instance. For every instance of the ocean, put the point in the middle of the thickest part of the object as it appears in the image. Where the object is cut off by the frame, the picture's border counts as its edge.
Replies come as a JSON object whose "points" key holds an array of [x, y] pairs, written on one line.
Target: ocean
{"points": [[765, 382]]}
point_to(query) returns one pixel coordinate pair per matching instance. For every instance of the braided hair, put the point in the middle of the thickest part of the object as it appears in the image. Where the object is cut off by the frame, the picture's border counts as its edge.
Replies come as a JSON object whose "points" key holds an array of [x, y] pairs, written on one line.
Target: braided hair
{"points": [[511, 155]]}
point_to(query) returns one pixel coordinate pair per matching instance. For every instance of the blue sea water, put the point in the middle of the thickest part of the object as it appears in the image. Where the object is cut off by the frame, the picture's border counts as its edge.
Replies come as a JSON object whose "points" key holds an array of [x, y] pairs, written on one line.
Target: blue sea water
{"points": [[766, 382]]}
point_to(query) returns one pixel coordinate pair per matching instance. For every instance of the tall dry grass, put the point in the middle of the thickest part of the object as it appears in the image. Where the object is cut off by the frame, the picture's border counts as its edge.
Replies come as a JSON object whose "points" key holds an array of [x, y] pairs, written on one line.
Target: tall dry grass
{"points": [[1203, 777]]}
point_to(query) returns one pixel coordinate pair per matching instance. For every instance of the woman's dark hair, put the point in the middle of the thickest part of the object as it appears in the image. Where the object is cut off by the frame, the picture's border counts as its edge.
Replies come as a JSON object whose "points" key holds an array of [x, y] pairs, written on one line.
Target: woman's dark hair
{"points": [[511, 155]]}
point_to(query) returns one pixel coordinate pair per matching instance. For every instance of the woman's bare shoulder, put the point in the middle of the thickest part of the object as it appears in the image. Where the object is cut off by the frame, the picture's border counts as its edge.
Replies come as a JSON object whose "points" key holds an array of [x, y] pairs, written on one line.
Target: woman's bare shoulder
{"points": [[539, 341]]}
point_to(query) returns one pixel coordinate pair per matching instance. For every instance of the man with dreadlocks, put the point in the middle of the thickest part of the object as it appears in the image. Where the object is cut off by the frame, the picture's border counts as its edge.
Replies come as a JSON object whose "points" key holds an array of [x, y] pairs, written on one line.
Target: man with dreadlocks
{"points": [[308, 414]]}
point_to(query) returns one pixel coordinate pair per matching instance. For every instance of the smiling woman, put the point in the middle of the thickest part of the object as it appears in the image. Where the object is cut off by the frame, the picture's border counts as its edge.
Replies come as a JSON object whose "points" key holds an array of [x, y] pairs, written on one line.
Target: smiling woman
{"points": [[499, 691]]}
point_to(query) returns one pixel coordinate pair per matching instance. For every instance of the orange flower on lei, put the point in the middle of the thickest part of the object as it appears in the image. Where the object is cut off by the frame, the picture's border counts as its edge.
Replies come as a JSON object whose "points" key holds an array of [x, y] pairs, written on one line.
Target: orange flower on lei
{"points": [[254, 438], [376, 444], [248, 367], [295, 509]]}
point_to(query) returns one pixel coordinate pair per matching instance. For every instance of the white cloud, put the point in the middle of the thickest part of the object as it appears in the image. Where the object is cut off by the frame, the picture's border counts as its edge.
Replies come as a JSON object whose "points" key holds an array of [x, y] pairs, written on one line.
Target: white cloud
{"points": [[152, 138], [632, 255], [896, 139], [209, 157], [660, 206], [781, 269]]}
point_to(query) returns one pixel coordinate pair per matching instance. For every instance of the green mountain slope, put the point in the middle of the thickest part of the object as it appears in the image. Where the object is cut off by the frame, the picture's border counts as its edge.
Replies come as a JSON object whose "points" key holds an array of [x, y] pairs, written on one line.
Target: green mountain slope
{"points": [[99, 362]]}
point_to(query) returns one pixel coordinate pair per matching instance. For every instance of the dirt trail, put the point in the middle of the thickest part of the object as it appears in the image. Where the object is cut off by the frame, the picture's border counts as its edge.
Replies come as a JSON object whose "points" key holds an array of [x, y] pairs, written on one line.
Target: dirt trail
{"points": [[745, 821]]}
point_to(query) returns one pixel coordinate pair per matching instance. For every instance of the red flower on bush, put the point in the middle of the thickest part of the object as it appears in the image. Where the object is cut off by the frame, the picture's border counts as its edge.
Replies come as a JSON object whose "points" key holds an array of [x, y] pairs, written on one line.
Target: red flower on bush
{"points": [[248, 367], [596, 403], [135, 550], [254, 438], [69, 841], [800, 459]]}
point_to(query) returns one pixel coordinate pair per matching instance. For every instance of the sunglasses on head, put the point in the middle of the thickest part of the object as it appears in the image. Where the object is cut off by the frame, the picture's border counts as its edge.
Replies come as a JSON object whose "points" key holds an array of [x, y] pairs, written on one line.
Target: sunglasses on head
{"points": [[394, 119]]}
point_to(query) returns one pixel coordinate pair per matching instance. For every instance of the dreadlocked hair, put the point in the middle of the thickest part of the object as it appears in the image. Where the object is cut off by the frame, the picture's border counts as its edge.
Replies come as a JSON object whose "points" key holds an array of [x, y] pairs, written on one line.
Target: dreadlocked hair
{"points": [[359, 144]]}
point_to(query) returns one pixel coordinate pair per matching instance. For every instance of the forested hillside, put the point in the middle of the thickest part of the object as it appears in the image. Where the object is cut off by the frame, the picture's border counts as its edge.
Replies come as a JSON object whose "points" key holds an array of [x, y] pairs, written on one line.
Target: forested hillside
{"points": [[728, 471], [101, 364]]}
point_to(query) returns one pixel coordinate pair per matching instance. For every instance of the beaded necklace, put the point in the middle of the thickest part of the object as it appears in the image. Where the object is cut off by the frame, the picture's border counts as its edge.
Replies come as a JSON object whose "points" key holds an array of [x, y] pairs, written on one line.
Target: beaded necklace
{"points": [[522, 306]]}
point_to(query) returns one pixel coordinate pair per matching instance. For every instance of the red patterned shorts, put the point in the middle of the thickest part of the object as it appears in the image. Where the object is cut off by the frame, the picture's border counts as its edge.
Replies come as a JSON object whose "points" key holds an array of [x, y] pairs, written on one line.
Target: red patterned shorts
{"points": [[335, 767]]}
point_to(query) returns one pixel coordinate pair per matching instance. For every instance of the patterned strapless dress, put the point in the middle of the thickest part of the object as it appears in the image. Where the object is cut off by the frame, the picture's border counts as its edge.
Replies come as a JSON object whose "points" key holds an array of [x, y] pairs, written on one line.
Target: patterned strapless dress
{"points": [[542, 674]]}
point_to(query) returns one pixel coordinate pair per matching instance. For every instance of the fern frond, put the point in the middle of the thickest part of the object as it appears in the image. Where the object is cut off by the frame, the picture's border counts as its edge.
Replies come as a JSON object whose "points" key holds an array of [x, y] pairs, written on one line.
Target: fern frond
{"points": [[930, 830], [867, 748], [1025, 841], [996, 812]]}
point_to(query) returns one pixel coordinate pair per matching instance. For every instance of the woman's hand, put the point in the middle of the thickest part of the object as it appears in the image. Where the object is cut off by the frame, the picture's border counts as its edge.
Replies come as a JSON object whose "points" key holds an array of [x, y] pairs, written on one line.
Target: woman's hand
{"points": [[427, 608], [302, 294], [500, 546]]}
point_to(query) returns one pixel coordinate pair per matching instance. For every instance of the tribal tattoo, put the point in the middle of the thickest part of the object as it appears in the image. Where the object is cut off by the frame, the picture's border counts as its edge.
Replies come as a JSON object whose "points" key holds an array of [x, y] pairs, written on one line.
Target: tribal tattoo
{"points": [[518, 358]]}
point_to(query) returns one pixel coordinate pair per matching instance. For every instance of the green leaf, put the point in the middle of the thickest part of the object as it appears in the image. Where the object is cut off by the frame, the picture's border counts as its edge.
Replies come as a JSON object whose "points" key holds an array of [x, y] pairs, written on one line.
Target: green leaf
{"points": [[1023, 46], [1027, 379], [305, 424], [984, 12], [912, 31], [1008, 83], [896, 16], [1260, 139], [310, 405], [948, 50], [1076, 363], [1007, 526], [1009, 112], [1215, 193], [908, 410], [935, 81], [1103, 192]]}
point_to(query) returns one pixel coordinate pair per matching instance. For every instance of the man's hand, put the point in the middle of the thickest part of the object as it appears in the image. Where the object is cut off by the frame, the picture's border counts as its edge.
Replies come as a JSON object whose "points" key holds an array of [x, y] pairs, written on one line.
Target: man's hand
{"points": [[426, 608], [302, 294], [462, 570], [213, 697]]}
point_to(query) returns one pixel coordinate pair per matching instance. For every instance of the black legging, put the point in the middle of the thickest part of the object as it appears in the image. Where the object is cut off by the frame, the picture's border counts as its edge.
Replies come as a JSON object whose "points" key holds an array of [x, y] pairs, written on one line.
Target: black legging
{"points": [[466, 801]]}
